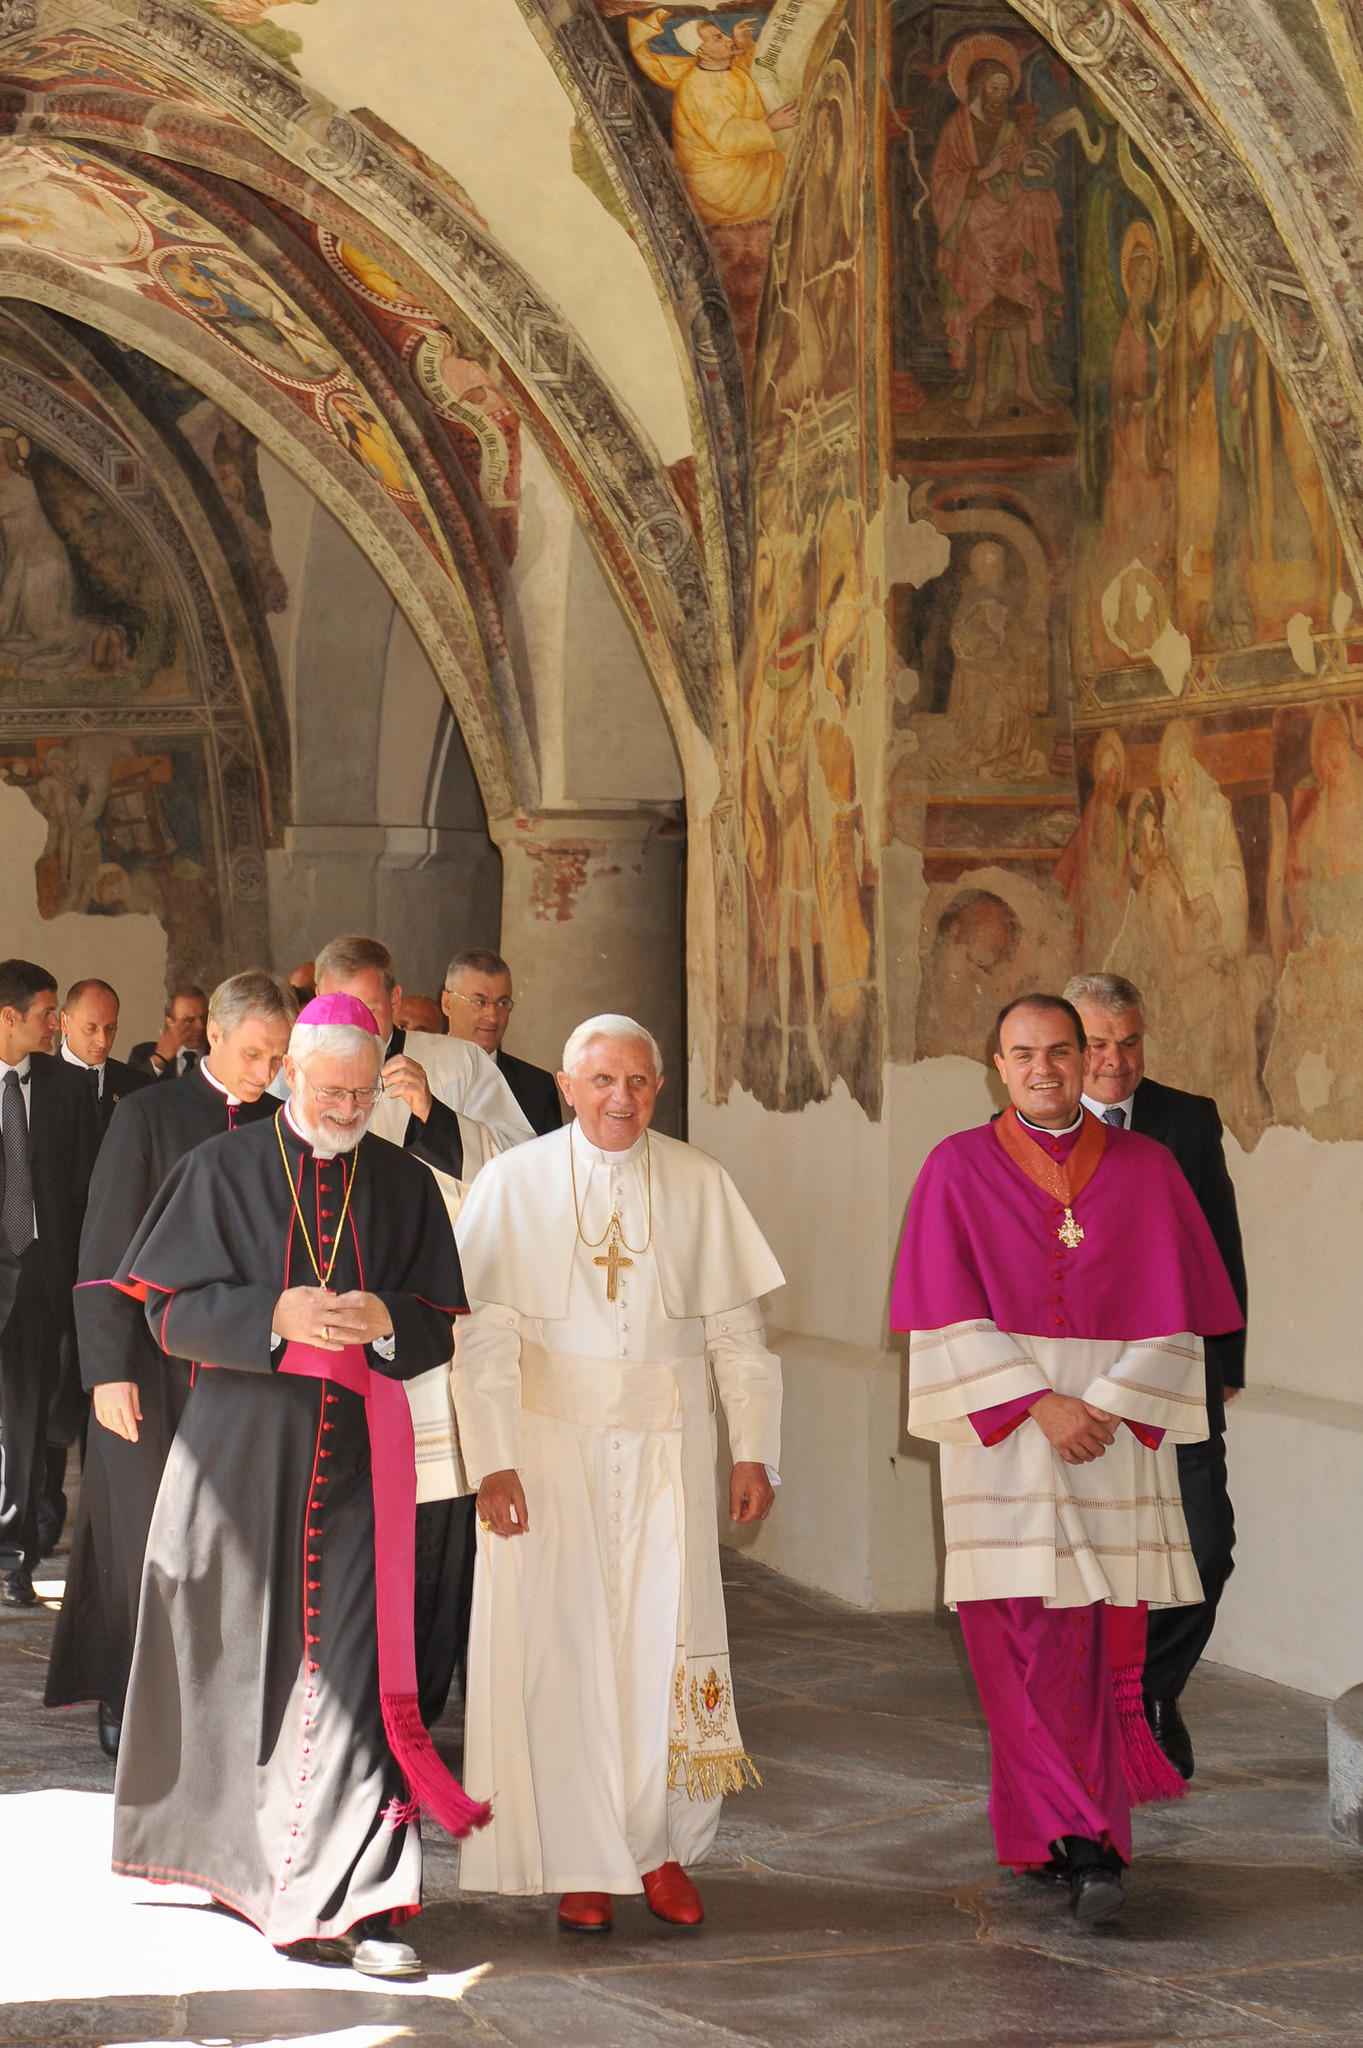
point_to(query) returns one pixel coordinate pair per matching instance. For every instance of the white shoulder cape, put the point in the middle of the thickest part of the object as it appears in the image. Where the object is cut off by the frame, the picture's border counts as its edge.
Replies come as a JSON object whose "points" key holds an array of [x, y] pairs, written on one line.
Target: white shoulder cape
{"points": [[516, 1232]]}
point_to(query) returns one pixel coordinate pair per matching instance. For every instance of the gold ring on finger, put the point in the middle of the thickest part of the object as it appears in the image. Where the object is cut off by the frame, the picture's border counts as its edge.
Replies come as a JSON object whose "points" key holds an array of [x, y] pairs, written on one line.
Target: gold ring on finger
{"points": [[484, 1524], [326, 1333]]}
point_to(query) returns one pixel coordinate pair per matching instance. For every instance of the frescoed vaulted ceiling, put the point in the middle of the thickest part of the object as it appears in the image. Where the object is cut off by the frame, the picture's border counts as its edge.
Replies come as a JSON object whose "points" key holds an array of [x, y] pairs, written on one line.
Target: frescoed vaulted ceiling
{"points": [[411, 249]]}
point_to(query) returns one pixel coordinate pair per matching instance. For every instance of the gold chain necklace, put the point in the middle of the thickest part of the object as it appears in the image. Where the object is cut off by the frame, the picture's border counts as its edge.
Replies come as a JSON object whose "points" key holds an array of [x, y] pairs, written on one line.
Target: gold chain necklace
{"points": [[619, 1243], [323, 1279]]}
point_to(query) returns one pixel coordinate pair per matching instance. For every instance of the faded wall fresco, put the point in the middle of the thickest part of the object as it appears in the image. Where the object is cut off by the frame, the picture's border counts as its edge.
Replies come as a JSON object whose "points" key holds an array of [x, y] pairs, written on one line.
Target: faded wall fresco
{"points": [[1127, 680], [813, 714], [726, 86], [122, 717]]}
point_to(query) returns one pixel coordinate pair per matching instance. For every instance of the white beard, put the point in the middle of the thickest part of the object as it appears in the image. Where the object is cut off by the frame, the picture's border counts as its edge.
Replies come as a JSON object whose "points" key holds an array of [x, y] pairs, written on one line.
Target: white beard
{"points": [[326, 1144]]}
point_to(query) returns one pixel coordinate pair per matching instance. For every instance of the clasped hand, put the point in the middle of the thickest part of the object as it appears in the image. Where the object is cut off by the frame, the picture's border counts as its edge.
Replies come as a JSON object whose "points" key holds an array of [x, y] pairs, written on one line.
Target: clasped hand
{"points": [[1079, 1431], [314, 1315]]}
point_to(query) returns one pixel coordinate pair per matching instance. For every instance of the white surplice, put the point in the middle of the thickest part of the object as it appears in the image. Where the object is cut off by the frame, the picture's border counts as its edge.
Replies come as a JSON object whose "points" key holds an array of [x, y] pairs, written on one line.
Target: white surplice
{"points": [[1021, 1522], [600, 1704]]}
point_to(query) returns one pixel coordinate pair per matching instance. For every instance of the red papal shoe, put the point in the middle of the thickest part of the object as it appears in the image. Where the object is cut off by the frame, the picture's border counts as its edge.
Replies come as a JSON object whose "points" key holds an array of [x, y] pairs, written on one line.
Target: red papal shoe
{"points": [[587, 1912], [672, 1896]]}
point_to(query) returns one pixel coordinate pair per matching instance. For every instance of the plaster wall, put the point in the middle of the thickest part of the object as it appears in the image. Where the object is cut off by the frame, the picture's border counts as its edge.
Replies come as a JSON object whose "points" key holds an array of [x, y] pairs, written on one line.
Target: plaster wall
{"points": [[387, 833], [472, 88], [592, 921], [128, 952], [539, 577], [828, 1187], [616, 745]]}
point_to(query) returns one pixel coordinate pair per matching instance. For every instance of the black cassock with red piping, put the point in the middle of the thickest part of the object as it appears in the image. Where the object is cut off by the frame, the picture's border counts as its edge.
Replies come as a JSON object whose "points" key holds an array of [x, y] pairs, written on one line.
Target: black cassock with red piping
{"points": [[264, 1756]]}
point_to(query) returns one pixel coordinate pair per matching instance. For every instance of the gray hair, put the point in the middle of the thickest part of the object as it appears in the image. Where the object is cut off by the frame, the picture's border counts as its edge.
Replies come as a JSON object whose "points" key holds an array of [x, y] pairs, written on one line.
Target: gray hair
{"points": [[476, 960], [610, 1025], [1110, 993], [252, 994], [342, 1041], [341, 959]]}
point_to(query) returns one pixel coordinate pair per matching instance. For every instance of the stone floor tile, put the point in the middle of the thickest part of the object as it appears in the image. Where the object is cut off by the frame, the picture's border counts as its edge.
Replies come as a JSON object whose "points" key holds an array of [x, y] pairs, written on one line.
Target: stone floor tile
{"points": [[854, 1902]]}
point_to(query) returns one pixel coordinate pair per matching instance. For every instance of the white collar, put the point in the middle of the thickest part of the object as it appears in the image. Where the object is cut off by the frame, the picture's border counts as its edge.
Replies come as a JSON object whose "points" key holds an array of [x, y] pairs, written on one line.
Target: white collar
{"points": [[1100, 1109], [23, 1069], [1041, 1130], [86, 1066], [232, 1101], [322, 1158], [597, 1156]]}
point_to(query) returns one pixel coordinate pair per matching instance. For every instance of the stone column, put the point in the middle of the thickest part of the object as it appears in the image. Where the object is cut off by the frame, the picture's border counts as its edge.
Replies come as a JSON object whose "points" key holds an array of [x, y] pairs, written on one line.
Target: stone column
{"points": [[592, 919]]}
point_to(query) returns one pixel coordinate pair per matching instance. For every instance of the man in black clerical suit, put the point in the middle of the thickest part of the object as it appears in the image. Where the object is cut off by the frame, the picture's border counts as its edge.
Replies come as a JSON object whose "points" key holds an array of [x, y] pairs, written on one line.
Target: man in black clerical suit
{"points": [[1190, 1127], [50, 1133], [478, 1002], [273, 1751], [138, 1392], [183, 1041], [89, 1028]]}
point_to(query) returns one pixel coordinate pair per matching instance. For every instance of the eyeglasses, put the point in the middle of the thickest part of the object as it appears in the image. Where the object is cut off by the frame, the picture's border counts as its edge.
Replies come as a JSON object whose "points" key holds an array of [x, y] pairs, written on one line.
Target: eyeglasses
{"points": [[332, 1098], [503, 1005]]}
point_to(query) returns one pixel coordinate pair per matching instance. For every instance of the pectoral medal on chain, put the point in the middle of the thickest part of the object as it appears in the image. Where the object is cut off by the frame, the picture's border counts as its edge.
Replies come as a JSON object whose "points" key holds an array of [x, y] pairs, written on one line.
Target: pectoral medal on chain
{"points": [[1063, 1183], [613, 1236], [612, 1260], [1070, 1233]]}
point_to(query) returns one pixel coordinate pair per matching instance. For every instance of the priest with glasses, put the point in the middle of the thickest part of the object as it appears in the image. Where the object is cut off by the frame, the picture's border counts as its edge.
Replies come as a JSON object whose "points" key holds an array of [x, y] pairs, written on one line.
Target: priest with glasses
{"points": [[272, 1750]]}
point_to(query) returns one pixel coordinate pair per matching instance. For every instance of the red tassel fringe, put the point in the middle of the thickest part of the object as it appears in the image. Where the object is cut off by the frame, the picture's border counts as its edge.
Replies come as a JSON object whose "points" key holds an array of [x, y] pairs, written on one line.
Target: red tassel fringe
{"points": [[431, 1785], [1149, 1774]]}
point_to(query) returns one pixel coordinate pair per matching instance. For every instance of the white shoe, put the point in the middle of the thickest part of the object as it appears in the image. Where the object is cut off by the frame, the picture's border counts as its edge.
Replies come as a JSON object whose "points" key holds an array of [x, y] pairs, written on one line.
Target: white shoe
{"points": [[386, 1959]]}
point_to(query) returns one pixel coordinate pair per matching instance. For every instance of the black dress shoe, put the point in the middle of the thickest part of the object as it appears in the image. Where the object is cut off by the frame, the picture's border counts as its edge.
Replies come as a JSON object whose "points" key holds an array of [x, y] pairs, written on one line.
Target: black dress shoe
{"points": [[1096, 1893], [1055, 1872], [17, 1590], [110, 1728], [1170, 1732]]}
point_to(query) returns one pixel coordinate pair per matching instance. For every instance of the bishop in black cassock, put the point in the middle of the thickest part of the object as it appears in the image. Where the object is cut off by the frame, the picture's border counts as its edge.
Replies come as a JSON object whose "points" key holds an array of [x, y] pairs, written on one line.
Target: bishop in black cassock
{"points": [[151, 1131], [272, 1748]]}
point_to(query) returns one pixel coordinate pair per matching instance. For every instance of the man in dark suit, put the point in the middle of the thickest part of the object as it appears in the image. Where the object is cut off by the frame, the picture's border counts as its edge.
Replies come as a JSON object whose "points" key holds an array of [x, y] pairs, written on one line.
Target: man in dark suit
{"points": [[478, 1003], [1115, 1088], [50, 1135], [138, 1392], [183, 1041], [89, 1027]]}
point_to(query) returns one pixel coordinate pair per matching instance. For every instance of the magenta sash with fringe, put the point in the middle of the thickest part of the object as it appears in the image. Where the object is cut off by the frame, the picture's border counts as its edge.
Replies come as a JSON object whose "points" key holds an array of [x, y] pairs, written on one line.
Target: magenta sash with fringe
{"points": [[393, 1464]]}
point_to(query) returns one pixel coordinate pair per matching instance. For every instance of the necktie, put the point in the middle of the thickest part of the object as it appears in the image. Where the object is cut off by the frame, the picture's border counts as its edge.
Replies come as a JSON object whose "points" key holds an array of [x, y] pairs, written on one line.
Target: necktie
{"points": [[94, 1084], [188, 1062], [16, 1214], [1116, 1116]]}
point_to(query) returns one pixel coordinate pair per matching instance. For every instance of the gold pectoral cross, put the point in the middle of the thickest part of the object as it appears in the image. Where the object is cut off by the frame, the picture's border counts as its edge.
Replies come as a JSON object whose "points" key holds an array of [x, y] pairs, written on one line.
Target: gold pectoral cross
{"points": [[613, 1260], [1070, 1233]]}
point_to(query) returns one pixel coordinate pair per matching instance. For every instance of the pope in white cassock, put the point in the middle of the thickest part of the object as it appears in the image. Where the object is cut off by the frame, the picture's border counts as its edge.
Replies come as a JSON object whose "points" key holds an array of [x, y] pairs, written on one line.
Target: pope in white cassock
{"points": [[611, 1272]]}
